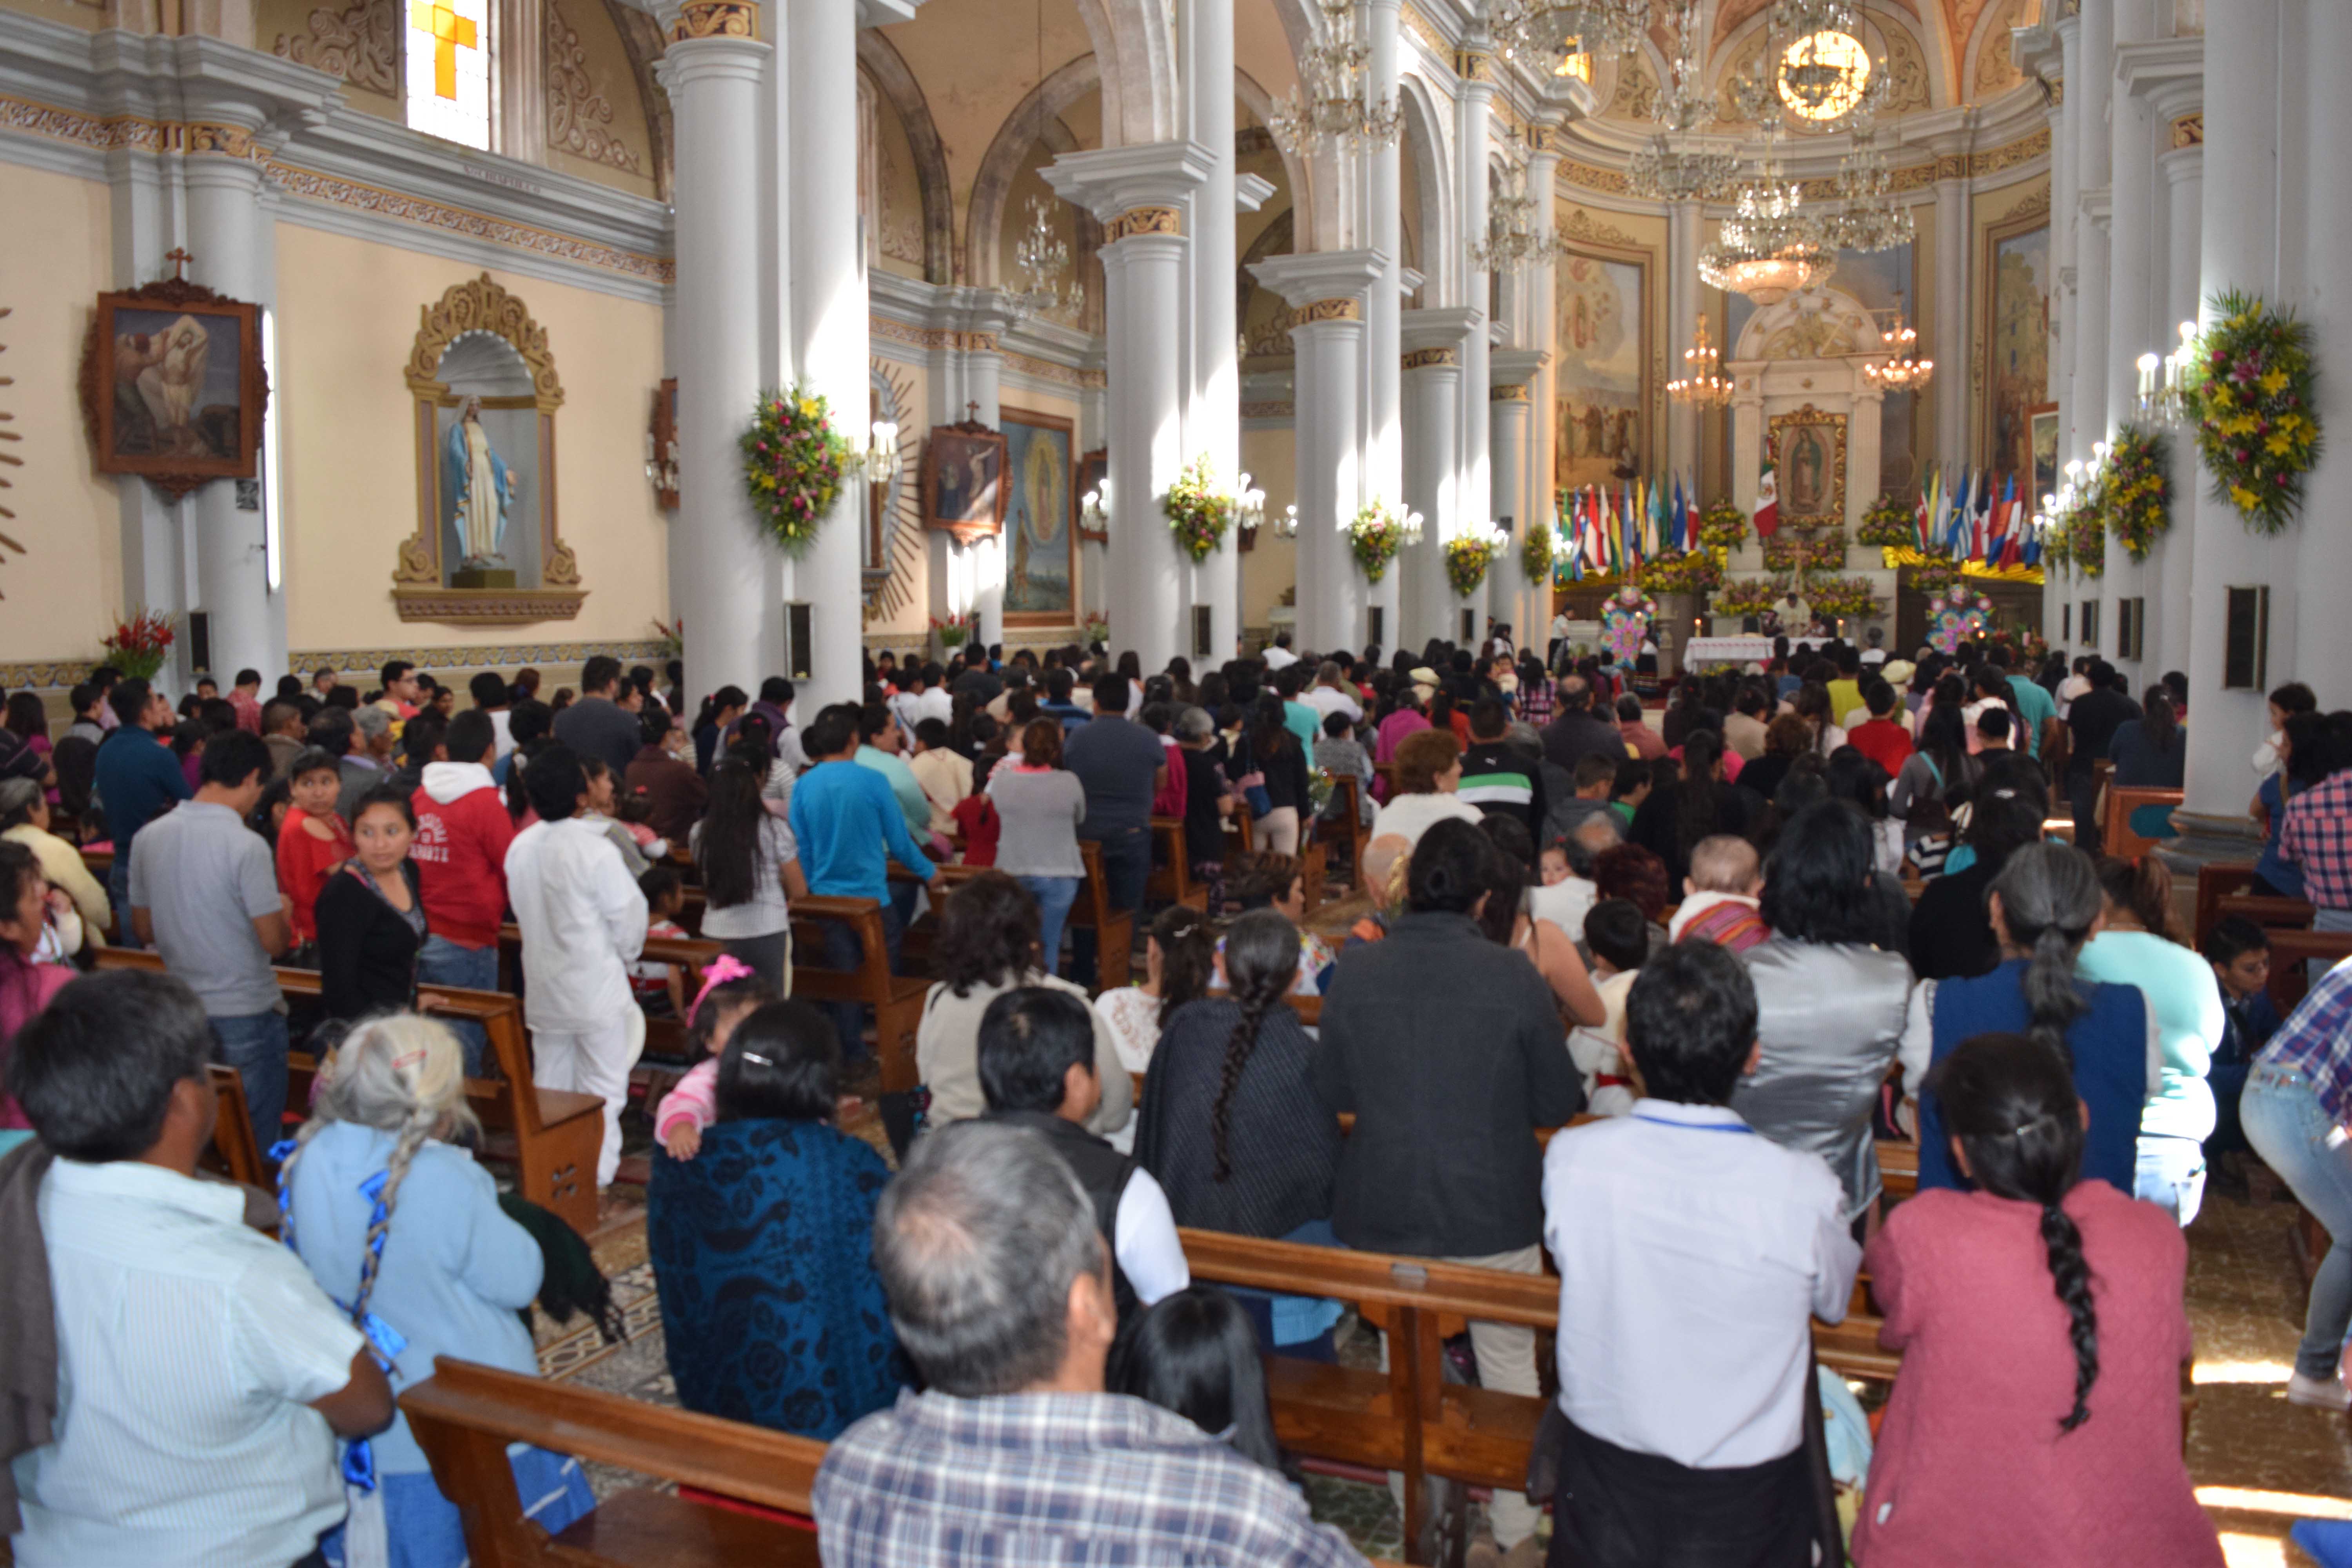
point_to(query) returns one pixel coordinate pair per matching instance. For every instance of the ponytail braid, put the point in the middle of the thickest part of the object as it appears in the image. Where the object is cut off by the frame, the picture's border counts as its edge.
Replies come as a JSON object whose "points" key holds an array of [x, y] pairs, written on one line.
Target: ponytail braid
{"points": [[412, 1135], [2072, 1274], [2050, 991], [1262, 964], [1256, 1004]]}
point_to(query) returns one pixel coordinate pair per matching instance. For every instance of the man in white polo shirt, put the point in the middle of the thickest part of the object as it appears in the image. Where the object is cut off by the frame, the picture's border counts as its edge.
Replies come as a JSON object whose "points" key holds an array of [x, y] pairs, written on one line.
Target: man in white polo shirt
{"points": [[201, 1376]]}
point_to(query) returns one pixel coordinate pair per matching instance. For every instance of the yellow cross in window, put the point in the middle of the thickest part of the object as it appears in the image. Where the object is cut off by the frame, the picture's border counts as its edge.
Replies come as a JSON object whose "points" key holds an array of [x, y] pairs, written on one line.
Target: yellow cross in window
{"points": [[450, 32]]}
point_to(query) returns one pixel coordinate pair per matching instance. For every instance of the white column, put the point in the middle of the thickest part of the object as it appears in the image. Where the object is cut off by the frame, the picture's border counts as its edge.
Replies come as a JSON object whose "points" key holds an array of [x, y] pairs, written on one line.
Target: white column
{"points": [[721, 570], [2183, 170], [1682, 419], [1384, 233], [1213, 424], [2237, 249], [1472, 114], [1433, 426], [1140, 194], [248, 623], [829, 315], [1953, 243], [1326, 291], [1543, 168], [2059, 591], [2131, 294], [1514, 375], [2322, 650]]}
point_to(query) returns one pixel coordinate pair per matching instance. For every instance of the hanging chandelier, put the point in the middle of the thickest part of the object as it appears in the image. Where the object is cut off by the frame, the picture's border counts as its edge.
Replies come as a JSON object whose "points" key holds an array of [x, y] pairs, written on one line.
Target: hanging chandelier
{"points": [[1332, 105], [1903, 370], [1770, 246], [1553, 32], [1700, 385], [1041, 260], [1513, 241], [1866, 217], [1672, 166]]}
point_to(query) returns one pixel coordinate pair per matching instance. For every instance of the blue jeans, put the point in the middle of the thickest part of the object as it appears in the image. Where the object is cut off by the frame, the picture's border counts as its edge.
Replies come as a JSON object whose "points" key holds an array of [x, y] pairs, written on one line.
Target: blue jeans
{"points": [[2171, 1174], [1055, 895], [843, 951], [1126, 869], [254, 1045], [441, 962], [2295, 1136], [118, 893]]}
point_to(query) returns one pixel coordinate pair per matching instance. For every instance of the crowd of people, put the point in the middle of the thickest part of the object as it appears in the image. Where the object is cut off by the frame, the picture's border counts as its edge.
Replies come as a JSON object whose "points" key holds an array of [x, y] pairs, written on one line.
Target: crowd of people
{"points": [[1805, 908]]}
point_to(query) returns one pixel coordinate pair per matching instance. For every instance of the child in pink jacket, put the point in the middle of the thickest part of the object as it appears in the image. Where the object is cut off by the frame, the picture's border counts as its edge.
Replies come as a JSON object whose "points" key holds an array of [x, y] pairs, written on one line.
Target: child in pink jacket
{"points": [[729, 993]]}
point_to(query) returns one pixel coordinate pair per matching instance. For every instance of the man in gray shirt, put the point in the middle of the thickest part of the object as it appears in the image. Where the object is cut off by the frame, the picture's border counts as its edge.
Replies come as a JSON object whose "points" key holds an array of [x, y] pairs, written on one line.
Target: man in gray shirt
{"points": [[1122, 764], [204, 894], [597, 725]]}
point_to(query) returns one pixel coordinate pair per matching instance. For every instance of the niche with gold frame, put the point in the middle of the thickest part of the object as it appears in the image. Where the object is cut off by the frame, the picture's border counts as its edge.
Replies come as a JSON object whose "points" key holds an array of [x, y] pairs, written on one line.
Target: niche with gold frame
{"points": [[478, 341]]}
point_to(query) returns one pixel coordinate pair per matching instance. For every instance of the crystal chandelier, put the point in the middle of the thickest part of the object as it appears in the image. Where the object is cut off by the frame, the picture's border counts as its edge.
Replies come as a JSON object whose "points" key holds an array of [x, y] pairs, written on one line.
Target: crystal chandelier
{"points": [[1866, 217], [1513, 241], [1333, 104], [1700, 385], [1040, 257], [1903, 370], [1662, 171], [1771, 247], [1669, 166], [1553, 32]]}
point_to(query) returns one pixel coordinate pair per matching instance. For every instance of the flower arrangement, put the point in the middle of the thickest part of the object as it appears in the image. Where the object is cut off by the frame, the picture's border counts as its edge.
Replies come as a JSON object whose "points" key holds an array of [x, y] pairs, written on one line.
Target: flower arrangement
{"points": [[1676, 572], [2085, 528], [1820, 551], [1852, 597], [1198, 512], [1932, 577], [1743, 596], [1467, 556], [2140, 490], [672, 635], [794, 463], [1537, 553], [953, 631], [2248, 392], [1889, 523], [138, 646], [1097, 627], [1376, 533], [1723, 526]]}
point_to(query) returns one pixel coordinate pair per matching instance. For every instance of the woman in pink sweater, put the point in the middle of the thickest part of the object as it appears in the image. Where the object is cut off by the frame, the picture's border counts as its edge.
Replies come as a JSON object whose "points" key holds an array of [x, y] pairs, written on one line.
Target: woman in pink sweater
{"points": [[2037, 1415]]}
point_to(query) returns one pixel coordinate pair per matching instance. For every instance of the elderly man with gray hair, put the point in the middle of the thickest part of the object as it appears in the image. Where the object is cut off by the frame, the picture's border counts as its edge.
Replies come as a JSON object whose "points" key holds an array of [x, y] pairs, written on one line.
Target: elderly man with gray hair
{"points": [[1014, 1454]]}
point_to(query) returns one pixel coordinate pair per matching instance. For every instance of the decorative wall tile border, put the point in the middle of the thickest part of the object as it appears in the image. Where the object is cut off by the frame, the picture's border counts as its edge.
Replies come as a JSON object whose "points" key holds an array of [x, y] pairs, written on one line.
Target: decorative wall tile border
{"points": [[59, 674]]}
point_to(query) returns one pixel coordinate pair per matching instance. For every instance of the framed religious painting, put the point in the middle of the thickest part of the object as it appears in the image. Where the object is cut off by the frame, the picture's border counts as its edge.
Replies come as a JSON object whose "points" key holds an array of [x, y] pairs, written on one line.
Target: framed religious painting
{"points": [[2042, 427], [173, 387], [2014, 302], [1811, 472], [963, 480], [1041, 521], [1601, 433]]}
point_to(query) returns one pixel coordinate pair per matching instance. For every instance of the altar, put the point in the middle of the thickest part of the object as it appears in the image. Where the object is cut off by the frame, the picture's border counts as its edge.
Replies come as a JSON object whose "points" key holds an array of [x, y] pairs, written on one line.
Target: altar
{"points": [[1710, 653]]}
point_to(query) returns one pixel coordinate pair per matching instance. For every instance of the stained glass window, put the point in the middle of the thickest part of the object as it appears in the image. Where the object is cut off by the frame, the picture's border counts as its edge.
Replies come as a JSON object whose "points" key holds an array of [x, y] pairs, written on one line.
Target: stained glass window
{"points": [[449, 69]]}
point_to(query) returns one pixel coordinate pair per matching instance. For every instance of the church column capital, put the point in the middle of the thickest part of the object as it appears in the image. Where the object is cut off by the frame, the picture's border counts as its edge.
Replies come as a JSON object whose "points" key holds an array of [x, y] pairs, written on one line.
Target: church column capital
{"points": [[1148, 184], [712, 19]]}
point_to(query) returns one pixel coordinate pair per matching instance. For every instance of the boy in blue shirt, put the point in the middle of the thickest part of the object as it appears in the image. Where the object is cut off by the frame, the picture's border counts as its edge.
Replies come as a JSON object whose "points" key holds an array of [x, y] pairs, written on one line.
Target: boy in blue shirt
{"points": [[137, 779]]}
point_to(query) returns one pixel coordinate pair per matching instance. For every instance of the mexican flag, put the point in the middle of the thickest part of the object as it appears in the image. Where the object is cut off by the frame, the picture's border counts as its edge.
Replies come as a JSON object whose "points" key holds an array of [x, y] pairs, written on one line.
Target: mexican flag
{"points": [[1768, 497]]}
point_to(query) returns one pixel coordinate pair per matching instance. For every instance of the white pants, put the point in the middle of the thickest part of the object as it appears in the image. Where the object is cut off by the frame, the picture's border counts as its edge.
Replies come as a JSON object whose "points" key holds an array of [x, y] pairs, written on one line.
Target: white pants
{"points": [[594, 1061], [1276, 833]]}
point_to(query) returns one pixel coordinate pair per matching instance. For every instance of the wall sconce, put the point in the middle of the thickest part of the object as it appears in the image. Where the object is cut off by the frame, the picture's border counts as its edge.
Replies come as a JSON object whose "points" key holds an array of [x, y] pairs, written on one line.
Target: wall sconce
{"points": [[1093, 510], [881, 459]]}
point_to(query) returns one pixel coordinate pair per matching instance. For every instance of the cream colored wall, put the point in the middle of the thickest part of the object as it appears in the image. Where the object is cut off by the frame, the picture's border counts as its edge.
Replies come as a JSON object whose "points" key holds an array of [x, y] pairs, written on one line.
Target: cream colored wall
{"points": [[348, 312], [84, 13], [62, 592], [1270, 567], [605, 59], [976, 61]]}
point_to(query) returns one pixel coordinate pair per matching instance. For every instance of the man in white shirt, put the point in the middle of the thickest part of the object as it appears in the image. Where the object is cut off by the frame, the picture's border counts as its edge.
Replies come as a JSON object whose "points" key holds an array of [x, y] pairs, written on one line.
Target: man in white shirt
{"points": [[1279, 656], [922, 697], [202, 1377], [1331, 695], [1692, 1255], [583, 923]]}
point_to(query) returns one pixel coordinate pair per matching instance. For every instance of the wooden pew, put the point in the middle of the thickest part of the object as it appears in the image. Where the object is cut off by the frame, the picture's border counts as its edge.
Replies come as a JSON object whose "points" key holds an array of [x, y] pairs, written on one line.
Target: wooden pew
{"points": [[1347, 826], [1114, 929], [233, 1129], [2115, 831], [1898, 1169], [466, 1414], [1313, 859], [2214, 883], [1171, 871], [2270, 913], [551, 1135], [897, 999], [2290, 950]]}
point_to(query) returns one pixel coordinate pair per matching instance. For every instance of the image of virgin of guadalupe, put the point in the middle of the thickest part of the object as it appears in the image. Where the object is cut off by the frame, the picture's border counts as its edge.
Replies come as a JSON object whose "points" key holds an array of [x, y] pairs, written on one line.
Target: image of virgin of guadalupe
{"points": [[475, 479], [1808, 464]]}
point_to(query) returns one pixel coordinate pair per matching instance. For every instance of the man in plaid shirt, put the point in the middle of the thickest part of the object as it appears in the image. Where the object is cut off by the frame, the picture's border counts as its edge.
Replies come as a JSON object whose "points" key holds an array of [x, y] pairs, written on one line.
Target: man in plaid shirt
{"points": [[1000, 1291], [2318, 837], [2296, 1111]]}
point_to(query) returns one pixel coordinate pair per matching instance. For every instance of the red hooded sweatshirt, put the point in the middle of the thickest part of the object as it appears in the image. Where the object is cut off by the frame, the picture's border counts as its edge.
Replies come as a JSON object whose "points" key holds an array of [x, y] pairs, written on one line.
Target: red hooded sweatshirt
{"points": [[462, 834]]}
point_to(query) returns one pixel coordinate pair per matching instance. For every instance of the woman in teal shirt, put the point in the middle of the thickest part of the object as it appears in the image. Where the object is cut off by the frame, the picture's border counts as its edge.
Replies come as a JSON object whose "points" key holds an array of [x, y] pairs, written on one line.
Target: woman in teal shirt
{"points": [[2137, 946]]}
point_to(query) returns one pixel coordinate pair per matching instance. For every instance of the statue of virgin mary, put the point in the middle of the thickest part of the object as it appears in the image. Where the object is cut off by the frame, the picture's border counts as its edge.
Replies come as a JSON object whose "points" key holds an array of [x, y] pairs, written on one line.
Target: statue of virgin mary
{"points": [[475, 477]]}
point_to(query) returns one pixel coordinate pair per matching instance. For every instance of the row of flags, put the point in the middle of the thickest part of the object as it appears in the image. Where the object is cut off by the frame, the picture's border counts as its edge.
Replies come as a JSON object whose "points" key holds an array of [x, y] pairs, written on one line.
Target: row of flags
{"points": [[1973, 516], [1608, 533]]}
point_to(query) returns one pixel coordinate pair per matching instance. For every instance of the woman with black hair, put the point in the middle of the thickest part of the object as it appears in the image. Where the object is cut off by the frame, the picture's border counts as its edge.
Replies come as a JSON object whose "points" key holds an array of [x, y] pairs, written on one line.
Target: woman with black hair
{"points": [[719, 710], [1832, 1001], [751, 870], [2032, 1421], [1270, 749], [777, 1319], [2043, 906], [1951, 933], [1937, 777], [2304, 758], [1703, 803], [988, 944], [2151, 752], [1195, 1353]]}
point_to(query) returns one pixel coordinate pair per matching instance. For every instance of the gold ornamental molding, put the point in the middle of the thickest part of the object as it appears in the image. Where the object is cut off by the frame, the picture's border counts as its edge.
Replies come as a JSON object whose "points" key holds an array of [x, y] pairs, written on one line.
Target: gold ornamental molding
{"points": [[1144, 220], [486, 607], [1952, 166], [716, 19], [1316, 311], [2024, 149], [1592, 178], [1509, 392], [1474, 65], [482, 306], [2189, 130], [1423, 359]]}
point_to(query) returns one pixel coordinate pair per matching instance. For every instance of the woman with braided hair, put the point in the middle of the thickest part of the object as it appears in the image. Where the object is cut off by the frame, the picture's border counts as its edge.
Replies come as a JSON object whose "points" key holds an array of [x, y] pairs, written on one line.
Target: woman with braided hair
{"points": [[2043, 906], [2042, 1329], [404, 1231]]}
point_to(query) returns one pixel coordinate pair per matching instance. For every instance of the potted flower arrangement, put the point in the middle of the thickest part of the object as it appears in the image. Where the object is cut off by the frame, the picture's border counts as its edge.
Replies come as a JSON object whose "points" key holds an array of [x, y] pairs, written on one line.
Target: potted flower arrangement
{"points": [[1743, 596], [1933, 576], [138, 646], [1806, 552], [1722, 526], [1852, 598], [1889, 525], [672, 635], [794, 464], [1467, 556], [2087, 530], [1097, 627], [1537, 554], [2248, 394], [1375, 534], [1198, 512], [1695, 572], [953, 631], [2140, 490]]}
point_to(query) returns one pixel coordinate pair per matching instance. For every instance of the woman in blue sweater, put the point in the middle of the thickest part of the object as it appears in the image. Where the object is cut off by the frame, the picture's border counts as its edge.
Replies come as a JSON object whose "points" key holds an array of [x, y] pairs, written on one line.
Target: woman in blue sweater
{"points": [[2044, 905]]}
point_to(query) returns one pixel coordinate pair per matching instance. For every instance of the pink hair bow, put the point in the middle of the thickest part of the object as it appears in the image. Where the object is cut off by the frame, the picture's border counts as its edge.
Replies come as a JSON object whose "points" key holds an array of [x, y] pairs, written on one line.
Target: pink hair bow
{"points": [[718, 973]]}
